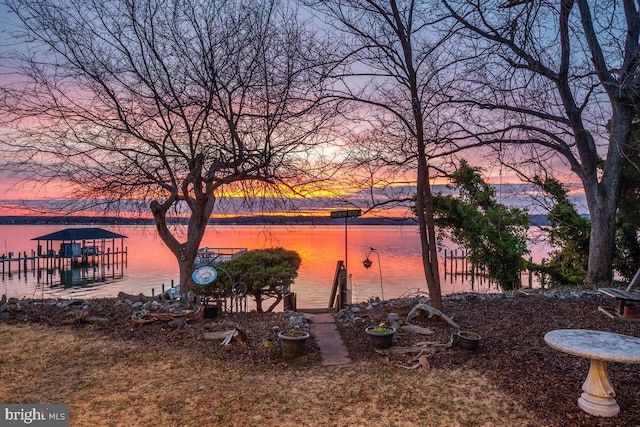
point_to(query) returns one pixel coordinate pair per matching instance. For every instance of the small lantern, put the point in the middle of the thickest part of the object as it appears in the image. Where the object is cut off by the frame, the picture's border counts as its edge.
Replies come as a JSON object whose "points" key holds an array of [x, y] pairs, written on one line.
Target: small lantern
{"points": [[367, 263]]}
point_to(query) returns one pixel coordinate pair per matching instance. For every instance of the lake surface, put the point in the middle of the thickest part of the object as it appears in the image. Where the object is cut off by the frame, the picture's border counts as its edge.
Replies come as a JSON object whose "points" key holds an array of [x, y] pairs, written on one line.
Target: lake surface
{"points": [[397, 272]]}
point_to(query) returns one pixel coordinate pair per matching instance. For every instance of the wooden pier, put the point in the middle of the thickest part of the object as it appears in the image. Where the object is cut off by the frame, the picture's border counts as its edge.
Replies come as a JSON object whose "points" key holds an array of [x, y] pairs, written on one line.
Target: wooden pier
{"points": [[83, 256], [456, 264], [72, 270], [33, 262]]}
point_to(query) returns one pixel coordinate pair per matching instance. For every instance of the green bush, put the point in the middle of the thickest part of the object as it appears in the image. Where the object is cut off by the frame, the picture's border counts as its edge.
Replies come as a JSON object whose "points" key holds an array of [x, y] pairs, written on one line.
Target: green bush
{"points": [[493, 234], [267, 274]]}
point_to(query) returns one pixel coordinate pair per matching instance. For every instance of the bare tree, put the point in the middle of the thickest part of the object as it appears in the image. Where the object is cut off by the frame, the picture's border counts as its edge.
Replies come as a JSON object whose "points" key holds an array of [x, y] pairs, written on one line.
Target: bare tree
{"points": [[172, 104], [550, 75], [391, 64]]}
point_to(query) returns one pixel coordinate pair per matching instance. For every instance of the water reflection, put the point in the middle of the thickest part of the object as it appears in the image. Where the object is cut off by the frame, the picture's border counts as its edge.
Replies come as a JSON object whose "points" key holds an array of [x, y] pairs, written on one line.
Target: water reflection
{"points": [[151, 265]]}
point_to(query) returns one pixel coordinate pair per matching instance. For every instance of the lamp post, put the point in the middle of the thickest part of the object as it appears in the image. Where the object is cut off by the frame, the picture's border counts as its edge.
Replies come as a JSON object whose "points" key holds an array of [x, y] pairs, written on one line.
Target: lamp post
{"points": [[368, 263], [346, 214]]}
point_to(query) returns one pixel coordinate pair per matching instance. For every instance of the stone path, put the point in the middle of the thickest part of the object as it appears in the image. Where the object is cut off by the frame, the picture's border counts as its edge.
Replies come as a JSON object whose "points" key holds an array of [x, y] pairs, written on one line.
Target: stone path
{"points": [[332, 349]]}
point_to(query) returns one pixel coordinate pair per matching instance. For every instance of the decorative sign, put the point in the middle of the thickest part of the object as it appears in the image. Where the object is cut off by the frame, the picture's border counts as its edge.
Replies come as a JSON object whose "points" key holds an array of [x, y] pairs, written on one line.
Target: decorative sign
{"points": [[205, 275], [346, 213]]}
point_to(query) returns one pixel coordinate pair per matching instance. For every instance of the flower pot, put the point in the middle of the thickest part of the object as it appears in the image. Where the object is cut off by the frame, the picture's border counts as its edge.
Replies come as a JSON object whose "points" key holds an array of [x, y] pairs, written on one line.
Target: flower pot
{"points": [[209, 308], [630, 310], [210, 311], [380, 338], [467, 340], [292, 345]]}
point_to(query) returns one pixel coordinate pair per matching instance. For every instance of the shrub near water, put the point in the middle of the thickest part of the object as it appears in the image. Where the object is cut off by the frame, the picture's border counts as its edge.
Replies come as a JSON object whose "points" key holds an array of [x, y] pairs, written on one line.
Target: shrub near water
{"points": [[494, 235], [267, 274]]}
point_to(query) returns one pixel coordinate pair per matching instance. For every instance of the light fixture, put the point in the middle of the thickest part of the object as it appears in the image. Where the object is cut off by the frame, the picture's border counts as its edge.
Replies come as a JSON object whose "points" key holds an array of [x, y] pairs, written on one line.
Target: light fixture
{"points": [[368, 263]]}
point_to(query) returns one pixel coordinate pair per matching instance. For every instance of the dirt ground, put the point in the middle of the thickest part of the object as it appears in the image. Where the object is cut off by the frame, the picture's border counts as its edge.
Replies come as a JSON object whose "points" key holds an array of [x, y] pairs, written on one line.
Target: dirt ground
{"points": [[116, 373]]}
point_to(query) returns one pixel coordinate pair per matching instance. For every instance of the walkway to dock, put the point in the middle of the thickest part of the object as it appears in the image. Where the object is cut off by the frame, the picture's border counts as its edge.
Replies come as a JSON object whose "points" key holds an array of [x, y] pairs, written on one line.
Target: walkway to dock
{"points": [[332, 348]]}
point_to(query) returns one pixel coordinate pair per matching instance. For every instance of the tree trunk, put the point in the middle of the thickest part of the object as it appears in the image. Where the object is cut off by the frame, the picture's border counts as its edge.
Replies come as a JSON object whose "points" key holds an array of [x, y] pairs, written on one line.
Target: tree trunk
{"points": [[428, 238], [186, 252], [602, 199], [601, 245], [602, 202]]}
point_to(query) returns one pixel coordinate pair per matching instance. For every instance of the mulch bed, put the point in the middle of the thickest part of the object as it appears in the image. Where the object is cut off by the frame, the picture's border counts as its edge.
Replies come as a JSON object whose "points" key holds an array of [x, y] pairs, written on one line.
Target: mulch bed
{"points": [[512, 352]]}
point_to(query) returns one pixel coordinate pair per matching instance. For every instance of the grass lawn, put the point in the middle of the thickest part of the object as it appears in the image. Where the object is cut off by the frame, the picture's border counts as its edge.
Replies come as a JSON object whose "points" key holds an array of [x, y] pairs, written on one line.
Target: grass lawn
{"points": [[124, 383]]}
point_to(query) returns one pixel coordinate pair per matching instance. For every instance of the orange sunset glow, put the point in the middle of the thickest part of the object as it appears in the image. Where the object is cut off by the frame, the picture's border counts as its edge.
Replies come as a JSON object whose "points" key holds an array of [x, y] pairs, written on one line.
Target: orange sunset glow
{"points": [[150, 264]]}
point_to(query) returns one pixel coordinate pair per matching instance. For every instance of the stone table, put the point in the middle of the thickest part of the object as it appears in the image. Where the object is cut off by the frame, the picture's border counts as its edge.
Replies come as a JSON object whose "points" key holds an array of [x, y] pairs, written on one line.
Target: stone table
{"points": [[600, 347]]}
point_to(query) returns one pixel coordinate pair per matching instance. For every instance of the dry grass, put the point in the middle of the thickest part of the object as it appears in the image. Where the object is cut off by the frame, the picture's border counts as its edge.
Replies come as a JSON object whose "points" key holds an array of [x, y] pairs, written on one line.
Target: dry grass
{"points": [[117, 383]]}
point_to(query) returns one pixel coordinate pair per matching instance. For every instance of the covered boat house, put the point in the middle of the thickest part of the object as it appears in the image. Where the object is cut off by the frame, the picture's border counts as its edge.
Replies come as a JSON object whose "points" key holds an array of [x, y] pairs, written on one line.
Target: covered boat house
{"points": [[82, 243]]}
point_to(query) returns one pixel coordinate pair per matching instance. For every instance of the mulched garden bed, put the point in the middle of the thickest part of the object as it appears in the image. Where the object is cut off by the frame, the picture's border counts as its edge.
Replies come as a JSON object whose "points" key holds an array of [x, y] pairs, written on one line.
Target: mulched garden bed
{"points": [[512, 351]]}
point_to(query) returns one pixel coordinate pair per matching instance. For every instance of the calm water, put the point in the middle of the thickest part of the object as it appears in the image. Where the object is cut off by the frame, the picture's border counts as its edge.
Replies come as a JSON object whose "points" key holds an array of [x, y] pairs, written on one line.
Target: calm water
{"points": [[150, 264]]}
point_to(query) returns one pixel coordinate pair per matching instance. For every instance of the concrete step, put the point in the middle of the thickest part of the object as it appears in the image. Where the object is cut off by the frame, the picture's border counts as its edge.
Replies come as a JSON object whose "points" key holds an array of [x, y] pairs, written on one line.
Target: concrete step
{"points": [[332, 348]]}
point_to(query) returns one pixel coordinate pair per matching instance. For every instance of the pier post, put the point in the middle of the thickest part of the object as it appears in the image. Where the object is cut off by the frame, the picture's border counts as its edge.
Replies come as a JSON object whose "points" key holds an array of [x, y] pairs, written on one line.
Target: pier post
{"points": [[445, 263]]}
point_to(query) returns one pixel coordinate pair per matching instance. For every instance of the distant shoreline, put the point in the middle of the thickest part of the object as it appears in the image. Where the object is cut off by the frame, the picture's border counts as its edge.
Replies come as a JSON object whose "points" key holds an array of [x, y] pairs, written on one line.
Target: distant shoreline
{"points": [[239, 220]]}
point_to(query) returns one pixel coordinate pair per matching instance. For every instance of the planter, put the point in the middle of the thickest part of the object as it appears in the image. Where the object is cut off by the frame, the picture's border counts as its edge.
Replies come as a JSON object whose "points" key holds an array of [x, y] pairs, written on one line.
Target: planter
{"points": [[467, 340], [210, 309], [630, 310], [380, 337], [210, 312], [292, 345]]}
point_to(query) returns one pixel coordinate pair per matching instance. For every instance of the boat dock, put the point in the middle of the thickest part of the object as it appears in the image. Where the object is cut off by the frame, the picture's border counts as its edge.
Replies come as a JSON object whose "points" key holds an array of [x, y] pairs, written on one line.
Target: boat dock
{"points": [[23, 262], [79, 250]]}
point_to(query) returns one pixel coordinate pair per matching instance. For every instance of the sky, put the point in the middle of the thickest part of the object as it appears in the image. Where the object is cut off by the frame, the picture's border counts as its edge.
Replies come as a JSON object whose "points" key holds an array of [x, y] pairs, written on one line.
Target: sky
{"points": [[509, 193]]}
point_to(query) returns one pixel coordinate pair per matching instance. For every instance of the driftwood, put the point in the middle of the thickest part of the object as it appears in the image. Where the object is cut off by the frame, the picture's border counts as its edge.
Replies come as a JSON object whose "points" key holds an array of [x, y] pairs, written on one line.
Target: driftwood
{"points": [[395, 351], [234, 334], [634, 282], [144, 317], [131, 297], [417, 329], [422, 362], [423, 351], [421, 347], [432, 312]]}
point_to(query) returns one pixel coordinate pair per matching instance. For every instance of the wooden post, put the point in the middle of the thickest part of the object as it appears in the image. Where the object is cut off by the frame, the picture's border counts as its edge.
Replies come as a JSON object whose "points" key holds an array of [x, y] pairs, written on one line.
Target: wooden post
{"points": [[456, 260], [473, 276], [337, 282], [445, 263], [451, 256]]}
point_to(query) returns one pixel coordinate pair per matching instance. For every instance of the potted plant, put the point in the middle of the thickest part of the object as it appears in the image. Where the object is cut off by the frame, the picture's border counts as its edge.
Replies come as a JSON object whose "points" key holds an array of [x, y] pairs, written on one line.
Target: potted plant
{"points": [[467, 340], [292, 343], [380, 337]]}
